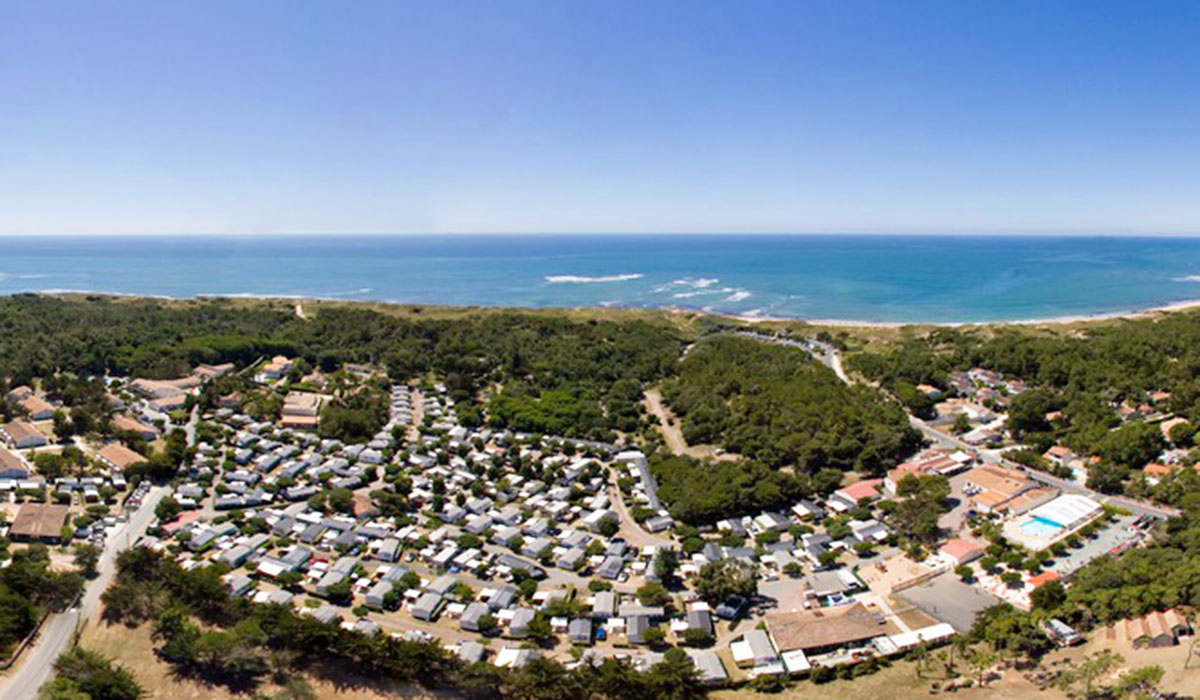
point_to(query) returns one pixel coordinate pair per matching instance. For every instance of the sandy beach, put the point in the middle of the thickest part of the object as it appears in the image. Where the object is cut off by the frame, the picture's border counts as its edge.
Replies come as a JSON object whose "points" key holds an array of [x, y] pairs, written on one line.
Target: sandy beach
{"points": [[1173, 307]]}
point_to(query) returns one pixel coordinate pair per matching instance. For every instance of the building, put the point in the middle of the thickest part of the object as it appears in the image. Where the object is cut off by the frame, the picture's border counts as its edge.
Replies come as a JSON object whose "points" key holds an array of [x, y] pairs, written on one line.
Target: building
{"points": [[39, 522], [848, 498], [125, 424], [37, 407], [276, 368], [823, 630], [1052, 521], [708, 665], [996, 489], [118, 456], [960, 551], [302, 403], [754, 649], [22, 434]]}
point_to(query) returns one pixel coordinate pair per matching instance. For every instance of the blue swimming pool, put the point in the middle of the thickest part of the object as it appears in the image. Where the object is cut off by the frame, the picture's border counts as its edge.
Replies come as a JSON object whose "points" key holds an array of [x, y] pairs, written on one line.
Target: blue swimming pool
{"points": [[1039, 527]]}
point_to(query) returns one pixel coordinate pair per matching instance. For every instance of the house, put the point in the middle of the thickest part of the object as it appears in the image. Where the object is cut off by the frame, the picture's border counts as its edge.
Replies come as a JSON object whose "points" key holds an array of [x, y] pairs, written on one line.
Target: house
{"points": [[604, 605], [118, 456], [428, 606], [469, 620], [39, 522], [12, 466], [471, 652], [20, 393], [635, 629], [709, 667], [518, 627], [754, 649], [579, 631], [701, 620], [1058, 455], [301, 403], [824, 629], [276, 368], [37, 407], [931, 391], [125, 424], [847, 498], [960, 551], [995, 489], [205, 372], [22, 434]]}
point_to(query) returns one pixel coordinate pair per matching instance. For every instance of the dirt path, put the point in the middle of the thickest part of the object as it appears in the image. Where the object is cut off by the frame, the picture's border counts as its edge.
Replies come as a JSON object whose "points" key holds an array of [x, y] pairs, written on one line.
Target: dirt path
{"points": [[666, 423], [672, 431], [417, 400]]}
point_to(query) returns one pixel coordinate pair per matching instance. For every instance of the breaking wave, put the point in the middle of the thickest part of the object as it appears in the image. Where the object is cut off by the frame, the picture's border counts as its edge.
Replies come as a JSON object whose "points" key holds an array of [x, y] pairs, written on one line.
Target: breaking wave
{"points": [[580, 279]]}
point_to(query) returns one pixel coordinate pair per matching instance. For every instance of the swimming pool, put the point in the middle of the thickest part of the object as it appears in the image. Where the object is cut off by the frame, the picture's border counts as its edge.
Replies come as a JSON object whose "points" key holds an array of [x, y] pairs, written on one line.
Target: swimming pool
{"points": [[1042, 528]]}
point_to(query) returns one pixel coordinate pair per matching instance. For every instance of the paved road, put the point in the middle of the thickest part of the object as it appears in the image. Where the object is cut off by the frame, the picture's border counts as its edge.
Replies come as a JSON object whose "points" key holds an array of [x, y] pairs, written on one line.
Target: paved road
{"points": [[37, 663]]}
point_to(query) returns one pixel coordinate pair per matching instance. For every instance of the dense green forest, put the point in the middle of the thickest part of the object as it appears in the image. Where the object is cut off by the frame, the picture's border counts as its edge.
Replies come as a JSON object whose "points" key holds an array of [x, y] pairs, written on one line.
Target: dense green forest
{"points": [[779, 406], [580, 378], [702, 492]]}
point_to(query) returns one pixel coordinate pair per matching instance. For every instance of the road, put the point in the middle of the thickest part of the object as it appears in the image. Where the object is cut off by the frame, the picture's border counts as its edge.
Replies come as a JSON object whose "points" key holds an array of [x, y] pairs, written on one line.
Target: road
{"points": [[37, 663], [670, 431], [829, 356]]}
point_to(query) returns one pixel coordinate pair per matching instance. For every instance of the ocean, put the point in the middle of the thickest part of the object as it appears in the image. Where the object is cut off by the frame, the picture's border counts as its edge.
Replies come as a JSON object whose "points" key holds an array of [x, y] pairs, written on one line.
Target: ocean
{"points": [[850, 277]]}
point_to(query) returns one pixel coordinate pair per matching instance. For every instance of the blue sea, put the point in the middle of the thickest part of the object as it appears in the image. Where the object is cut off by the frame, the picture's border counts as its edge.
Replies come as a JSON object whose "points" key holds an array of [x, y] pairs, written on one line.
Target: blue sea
{"points": [[851, 277]]}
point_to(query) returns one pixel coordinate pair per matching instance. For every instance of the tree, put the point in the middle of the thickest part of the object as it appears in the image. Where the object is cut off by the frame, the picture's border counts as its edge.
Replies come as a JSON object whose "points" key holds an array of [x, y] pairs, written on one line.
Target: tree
{"points": [[63, 429], [696, 637], [487, 624], [339, 592], [1183, 434], [666, 562], [167, 509], [721, 580], [87, 557], [1080, 681], [653, 594], [964, 572], [608, 526], [94, 676], [1140, 682], [654, 636], [1049, 596], [961, 425], [673, 678], [979, 660]]}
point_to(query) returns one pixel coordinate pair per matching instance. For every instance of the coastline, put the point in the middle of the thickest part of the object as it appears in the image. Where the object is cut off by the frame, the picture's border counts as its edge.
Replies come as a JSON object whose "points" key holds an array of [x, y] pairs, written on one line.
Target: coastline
{"points": [[1149, 312]]}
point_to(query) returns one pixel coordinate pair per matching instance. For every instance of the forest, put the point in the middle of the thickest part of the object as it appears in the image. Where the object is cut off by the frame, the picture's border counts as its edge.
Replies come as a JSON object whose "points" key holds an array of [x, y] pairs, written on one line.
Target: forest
{"points": [[576, 378], [778, 406]]}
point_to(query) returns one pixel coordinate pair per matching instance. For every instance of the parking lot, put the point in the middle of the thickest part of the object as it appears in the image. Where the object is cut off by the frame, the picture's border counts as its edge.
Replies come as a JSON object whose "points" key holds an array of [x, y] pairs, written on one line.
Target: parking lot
{"points": [[950, 600], [1113, 535]]}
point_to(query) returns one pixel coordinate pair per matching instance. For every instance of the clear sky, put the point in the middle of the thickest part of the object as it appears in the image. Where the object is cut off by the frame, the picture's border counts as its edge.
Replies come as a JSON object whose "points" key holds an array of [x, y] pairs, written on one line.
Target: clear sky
{"points": [[599, 115]]}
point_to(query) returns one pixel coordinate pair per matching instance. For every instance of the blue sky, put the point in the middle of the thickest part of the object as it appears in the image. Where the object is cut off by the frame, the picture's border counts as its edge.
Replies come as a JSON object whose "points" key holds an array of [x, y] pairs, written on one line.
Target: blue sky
{"points": [[564, 115]]}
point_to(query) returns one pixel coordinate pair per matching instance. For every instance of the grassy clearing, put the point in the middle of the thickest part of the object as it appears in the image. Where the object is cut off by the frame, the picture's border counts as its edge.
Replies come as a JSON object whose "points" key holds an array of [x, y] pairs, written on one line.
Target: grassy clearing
{"points": [[133, 649]]}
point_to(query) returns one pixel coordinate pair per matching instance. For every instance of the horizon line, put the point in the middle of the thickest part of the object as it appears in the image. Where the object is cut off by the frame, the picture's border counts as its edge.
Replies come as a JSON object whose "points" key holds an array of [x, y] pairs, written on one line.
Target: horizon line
{"points": [[948, 234]]}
